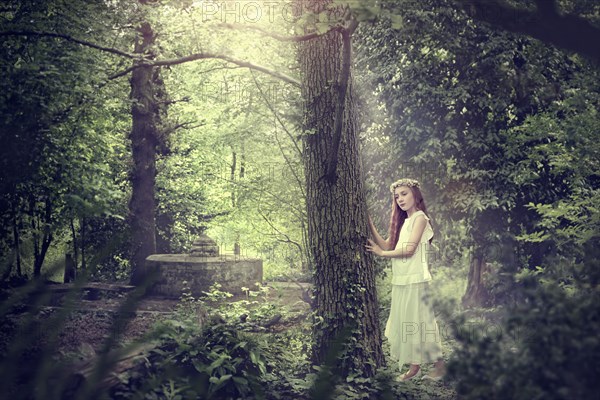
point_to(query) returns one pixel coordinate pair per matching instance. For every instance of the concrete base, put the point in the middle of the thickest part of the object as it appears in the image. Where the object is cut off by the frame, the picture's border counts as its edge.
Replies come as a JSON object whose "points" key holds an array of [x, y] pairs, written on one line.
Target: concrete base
{"points": [[200, 273]]}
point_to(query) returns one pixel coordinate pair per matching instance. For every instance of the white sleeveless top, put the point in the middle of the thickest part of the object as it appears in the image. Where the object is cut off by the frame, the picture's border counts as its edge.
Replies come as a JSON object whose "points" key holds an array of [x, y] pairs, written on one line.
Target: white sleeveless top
{"points": [[413, 269]]}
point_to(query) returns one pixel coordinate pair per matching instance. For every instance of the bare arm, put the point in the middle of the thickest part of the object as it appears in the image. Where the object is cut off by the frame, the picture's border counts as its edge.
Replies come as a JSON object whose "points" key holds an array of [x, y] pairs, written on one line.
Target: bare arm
{"points": [[408, 249], [381, 242]]}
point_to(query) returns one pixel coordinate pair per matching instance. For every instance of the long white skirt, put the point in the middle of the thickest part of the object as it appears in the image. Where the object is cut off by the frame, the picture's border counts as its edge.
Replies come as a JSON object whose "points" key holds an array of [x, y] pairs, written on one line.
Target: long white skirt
{"points": [[411, 329]]}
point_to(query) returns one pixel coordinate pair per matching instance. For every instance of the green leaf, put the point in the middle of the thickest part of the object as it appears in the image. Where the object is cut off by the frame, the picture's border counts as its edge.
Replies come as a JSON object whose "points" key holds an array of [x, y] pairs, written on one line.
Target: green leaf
{"points": [[397, 21]]}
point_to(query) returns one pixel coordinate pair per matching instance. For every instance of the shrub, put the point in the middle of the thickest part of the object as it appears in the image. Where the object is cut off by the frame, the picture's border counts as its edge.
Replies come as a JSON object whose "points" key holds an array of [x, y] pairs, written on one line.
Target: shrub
{"points": [[548, 344]]}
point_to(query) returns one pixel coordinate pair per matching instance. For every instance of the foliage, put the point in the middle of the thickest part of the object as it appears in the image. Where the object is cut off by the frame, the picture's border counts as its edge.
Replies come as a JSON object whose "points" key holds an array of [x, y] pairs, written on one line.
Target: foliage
{"points": [[224, 357], [218, 354], [64, 148], [72, 157], [544, 347], [562, 140], [493, 123], [501, 129]]}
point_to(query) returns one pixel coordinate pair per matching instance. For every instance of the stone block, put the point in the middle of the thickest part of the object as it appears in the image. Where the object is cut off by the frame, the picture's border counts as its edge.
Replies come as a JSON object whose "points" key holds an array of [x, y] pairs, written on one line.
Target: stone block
{"points": [[201, 272]]}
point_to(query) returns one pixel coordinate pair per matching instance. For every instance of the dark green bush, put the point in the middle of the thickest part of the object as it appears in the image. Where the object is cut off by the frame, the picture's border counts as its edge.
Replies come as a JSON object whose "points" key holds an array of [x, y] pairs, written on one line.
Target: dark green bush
{"points": [[544, 347], [221, 362]]}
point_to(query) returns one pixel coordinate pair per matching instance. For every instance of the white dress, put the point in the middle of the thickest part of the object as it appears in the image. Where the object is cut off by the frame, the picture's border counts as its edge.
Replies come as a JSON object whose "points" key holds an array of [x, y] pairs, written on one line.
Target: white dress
{"points": [[411, 329]]}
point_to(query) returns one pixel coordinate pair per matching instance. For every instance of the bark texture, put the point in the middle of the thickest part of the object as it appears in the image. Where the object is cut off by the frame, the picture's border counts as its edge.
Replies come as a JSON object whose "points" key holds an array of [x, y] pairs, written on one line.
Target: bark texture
{"points": [[345, 294], [144, 141]]}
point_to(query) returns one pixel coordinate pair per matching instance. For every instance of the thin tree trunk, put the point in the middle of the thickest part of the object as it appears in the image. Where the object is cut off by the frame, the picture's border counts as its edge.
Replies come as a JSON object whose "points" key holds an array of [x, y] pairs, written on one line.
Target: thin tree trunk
{"points": [[345, 292], [17, 244], [232, 177], [74, 237], [41, 249], [306, 265], [243, 161], [82, 229], [476, 294], [69, 274], [34, 229], [6, 273]]}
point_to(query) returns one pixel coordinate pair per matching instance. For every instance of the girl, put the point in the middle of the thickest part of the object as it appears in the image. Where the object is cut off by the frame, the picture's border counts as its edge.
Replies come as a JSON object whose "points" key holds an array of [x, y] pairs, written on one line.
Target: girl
{"points": [[411, 328]]}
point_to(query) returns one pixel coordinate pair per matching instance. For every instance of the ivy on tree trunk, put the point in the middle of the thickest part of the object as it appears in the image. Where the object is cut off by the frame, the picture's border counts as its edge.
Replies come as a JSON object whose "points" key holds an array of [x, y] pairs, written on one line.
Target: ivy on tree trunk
{"points": [[345, 292]]}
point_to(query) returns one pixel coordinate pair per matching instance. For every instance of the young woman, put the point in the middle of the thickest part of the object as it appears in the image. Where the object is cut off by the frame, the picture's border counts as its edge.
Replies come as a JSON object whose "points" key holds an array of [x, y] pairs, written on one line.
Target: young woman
{"points": [[411, 328]]}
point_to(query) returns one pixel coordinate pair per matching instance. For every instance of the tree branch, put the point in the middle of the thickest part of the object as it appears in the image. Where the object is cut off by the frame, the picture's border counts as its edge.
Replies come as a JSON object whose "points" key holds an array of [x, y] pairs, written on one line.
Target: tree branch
{"points": [[569, 32], [298, 150], [331, 175], [206, 71], [546, 7], [203, 56], [185, 125], [185, 99], [287, 238], [71, 39], [141, 62], [279, 37]]}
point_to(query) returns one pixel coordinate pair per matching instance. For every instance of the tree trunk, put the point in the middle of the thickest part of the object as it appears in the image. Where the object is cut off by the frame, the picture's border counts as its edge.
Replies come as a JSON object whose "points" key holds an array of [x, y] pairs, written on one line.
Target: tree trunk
{"points": [[232, 177], [306, 257], [82, 242], [40, 249], [41, 255], [476, 294], [17, 244], [243, 161], [345, 292], [6, 273], [74, 237], [165, 219], [144, 139], [70, 267]]}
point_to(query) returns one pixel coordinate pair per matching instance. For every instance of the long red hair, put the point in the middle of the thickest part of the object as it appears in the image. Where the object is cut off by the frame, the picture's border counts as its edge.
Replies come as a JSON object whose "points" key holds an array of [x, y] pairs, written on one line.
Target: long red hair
{"points": [[399, 216]]}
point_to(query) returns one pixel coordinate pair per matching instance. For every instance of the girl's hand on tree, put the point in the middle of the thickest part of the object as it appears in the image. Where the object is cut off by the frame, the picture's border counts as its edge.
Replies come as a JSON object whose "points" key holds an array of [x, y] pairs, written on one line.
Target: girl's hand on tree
{"points": [[374, 248]]}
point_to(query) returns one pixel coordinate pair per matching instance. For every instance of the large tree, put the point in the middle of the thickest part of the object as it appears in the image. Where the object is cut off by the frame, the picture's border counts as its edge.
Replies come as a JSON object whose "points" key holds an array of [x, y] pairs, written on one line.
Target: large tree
{"points": [[345, 293]]}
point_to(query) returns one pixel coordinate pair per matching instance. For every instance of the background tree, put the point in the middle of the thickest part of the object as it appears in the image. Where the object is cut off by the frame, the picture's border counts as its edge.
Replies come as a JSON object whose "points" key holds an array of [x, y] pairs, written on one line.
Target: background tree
{"points": [[57, 160], [148, 103], [152, 98]]}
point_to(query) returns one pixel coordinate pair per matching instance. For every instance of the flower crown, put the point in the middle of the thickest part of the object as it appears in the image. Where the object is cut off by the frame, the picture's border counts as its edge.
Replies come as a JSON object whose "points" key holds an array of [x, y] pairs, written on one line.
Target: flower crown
{"points": [[404, 182]]}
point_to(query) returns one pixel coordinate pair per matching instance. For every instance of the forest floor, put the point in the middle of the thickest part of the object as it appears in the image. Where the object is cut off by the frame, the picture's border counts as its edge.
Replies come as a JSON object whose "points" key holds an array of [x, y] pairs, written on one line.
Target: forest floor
{"points": [[84, 329], [90, 322]]}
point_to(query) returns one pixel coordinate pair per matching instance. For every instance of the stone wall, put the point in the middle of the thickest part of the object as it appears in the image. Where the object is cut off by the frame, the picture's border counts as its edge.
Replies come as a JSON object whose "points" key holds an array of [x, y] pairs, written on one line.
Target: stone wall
{"points": [[200, 273]]}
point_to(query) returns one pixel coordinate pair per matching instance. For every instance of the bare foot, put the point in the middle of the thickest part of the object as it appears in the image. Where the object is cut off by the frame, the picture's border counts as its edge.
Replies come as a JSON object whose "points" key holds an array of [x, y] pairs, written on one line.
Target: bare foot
{"points": [[412, 372], [438, 372]]}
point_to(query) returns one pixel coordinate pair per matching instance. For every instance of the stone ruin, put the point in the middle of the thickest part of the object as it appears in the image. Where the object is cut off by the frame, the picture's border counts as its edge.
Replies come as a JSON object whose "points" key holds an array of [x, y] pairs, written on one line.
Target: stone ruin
{"points": [[201, 269]]}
